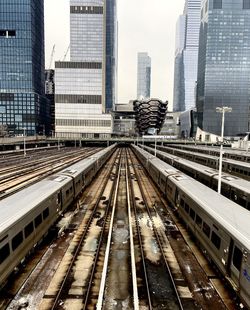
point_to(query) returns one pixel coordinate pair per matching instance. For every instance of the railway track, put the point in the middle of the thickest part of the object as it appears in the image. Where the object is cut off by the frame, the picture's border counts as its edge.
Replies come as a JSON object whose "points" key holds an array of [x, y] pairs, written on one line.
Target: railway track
{"points": [[35, 171], [29, 285], [74, 281], [160, 287], [127, 253]]}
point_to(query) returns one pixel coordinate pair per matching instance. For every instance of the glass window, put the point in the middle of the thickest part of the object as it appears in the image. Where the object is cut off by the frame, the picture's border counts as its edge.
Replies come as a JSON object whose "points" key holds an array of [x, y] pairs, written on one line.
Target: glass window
{"points": [[28, 229], [217, 4], [198, 220], [38, 220], [4, 253], [216, 240], [246, 4], [237, 258], [192, 213], [45, 213], [17, 240], [206, 229]]}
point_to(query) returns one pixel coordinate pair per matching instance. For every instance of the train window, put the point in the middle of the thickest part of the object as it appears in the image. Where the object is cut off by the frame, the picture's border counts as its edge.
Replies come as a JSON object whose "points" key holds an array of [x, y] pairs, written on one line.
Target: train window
{"points": [[45, 213], [216, 240], [67, 192], [182, 203], [28, 229], [206, 229], [38, 220], [192, 213], [4, 253], [59, 198], [71, 189], [17, 240], [186, 207], [198, 220], [5, 237], [237, 258]]}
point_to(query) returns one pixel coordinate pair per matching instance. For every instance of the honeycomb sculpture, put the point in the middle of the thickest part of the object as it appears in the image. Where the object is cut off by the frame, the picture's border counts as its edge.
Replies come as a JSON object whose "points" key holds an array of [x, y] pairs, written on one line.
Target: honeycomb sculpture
{"points": [[149, 115]]}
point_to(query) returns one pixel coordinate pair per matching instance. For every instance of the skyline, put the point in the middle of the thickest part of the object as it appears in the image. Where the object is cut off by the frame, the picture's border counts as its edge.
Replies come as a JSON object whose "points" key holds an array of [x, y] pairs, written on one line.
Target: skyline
{"points": [[131, 40]]}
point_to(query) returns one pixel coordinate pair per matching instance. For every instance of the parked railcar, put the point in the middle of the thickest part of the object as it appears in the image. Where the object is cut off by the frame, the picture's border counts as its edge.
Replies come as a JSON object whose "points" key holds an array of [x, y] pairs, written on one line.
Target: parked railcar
{"points": [[27, 215], [240, 155], [221, 226], [241, 169], [232, 187]]}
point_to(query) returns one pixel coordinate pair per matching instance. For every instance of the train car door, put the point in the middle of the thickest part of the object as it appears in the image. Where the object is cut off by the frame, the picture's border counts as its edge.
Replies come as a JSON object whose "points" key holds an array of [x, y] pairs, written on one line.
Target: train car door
{"points": [[245, 278], [59, 201]]}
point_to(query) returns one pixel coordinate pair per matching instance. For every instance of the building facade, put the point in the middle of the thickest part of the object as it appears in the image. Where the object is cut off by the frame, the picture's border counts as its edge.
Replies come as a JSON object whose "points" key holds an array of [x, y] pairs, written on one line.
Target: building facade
{"points": [[224, 66], [143, 75], [179, 82], [86, 85], [23, 106], [186, 56]]}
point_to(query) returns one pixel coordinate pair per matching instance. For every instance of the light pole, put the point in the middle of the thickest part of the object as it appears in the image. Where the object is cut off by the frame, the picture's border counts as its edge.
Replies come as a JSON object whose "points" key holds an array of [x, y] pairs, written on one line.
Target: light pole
{"points": [[247, 137], [155, 146], [24, 142], [222, 110]]}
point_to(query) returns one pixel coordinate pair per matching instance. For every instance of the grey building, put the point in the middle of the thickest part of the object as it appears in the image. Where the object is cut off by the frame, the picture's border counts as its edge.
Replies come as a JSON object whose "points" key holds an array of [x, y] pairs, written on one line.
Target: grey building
{"points": [[186, 56], [23, 105], [179, 82], [224, 66], [86, 85], [143, 75]]}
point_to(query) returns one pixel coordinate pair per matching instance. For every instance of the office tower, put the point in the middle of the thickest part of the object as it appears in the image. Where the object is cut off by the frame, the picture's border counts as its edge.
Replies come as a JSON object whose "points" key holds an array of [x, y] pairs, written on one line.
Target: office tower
{"points": [[224, 66], [86, 85], [50, 95], [143, 75], [186, 57], [23, 106], [179, 86]]}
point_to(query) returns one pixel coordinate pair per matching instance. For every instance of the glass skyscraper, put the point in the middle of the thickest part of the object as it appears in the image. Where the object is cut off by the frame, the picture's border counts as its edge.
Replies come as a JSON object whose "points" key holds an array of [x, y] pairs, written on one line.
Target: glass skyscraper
{"points": [[179, 85], [224, 66], [143, 75], [85, 89], [22, 100], [186, 60]]}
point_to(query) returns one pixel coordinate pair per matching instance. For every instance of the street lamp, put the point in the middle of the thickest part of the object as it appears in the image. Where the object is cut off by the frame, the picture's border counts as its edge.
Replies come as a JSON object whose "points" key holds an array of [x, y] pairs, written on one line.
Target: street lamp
{"points": [[24, 142], [222, 110]]}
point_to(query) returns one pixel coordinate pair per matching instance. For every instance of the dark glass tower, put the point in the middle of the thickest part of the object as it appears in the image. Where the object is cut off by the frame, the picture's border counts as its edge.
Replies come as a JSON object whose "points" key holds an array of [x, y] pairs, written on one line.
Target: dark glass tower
{"points": [[111, 54], [224, 66], [22, 100]]}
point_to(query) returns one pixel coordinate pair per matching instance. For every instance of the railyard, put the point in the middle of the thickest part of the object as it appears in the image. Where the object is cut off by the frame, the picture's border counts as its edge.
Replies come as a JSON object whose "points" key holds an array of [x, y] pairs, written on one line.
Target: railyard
{"points": [[119, 243]]}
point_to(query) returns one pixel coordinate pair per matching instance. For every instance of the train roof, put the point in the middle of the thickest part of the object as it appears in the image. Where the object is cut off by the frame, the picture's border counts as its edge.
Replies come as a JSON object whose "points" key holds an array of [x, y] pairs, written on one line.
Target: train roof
{"points": [[227, 150], [228, 214], [78, 167], [19, 204], [227, 160], [227, 178]]}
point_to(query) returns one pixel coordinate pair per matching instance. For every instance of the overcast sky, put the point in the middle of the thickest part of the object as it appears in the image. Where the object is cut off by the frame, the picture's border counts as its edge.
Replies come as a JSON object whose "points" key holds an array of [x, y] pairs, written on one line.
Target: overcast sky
{"points": [[144, 26]]}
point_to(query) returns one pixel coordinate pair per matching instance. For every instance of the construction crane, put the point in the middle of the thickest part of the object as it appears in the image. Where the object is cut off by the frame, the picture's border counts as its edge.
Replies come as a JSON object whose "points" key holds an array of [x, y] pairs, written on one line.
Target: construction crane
{"points": [[66, 53], [52, 56], [49, 68]]}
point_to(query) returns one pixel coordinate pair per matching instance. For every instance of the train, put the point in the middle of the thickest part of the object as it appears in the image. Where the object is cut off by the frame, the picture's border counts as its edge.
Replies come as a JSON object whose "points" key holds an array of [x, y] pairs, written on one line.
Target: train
{"points": [[232, 187], [27, 215], [220, 225], [238, 168], [240, 155]]}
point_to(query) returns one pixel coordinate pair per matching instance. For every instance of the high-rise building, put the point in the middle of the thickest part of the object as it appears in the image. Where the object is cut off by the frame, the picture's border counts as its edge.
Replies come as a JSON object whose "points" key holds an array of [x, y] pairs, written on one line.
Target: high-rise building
{"points": [[186, 56], [179, 85], [86, 85], [23, 106], [224, 66], [143, 75]]}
